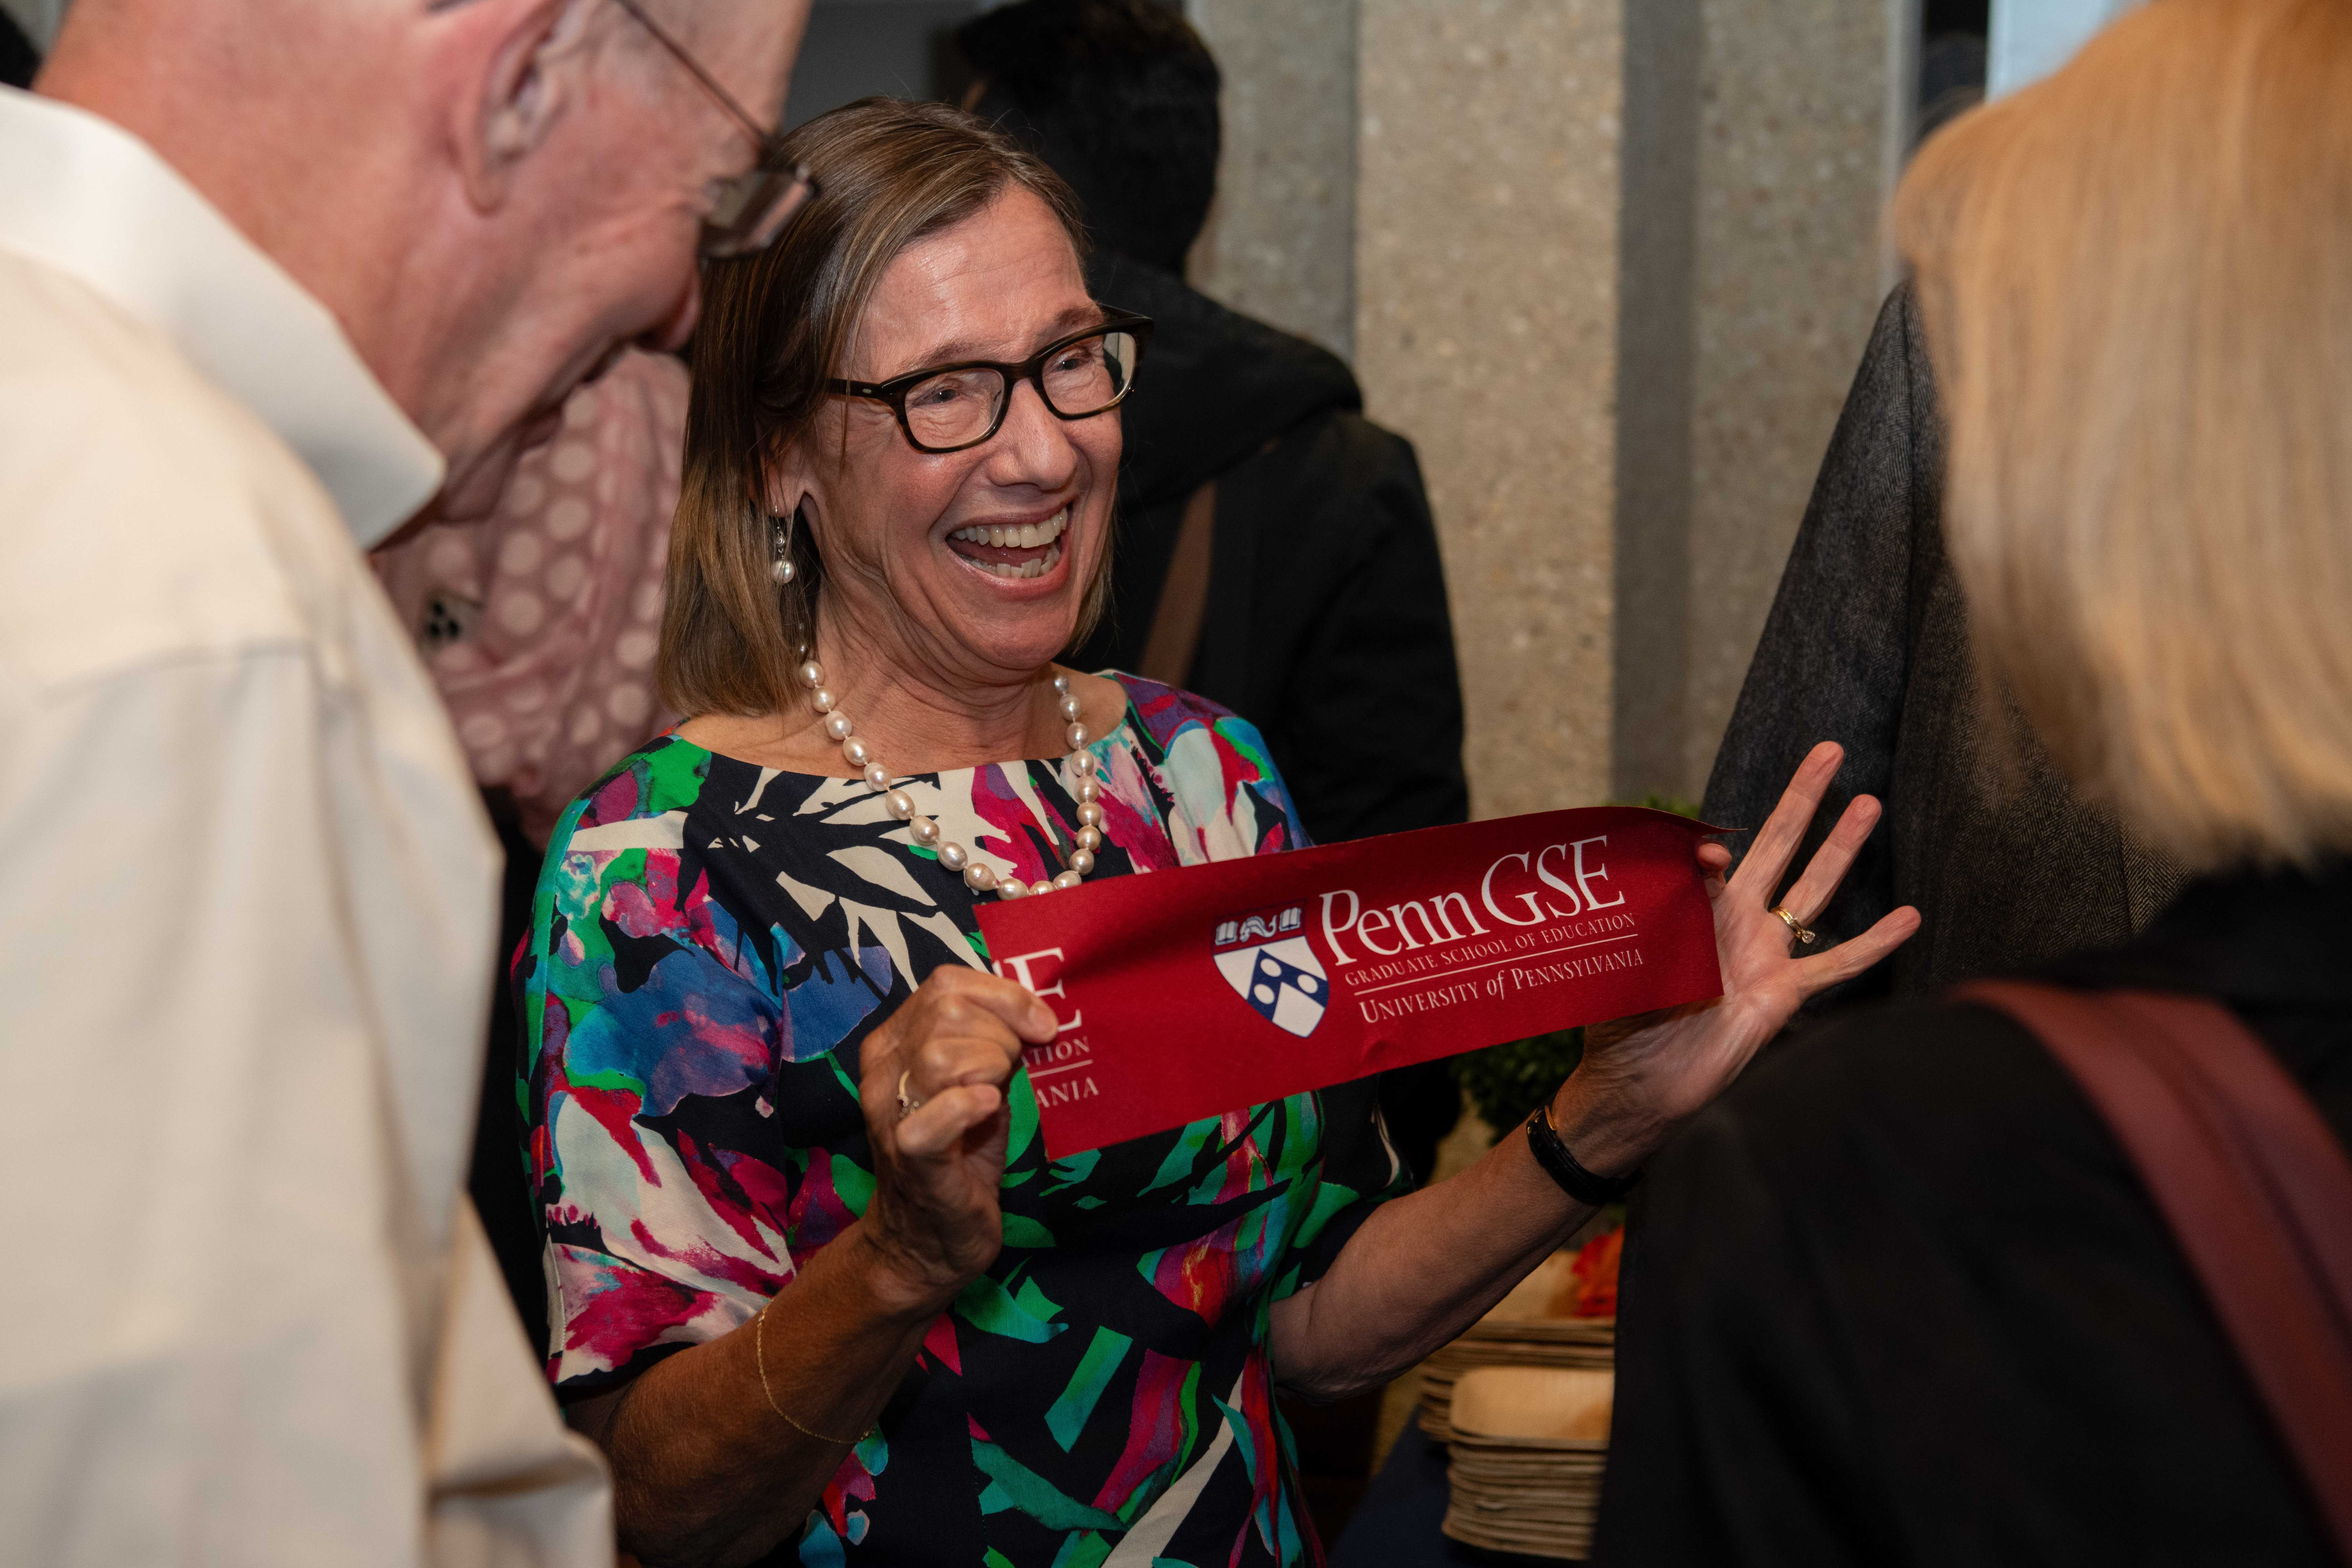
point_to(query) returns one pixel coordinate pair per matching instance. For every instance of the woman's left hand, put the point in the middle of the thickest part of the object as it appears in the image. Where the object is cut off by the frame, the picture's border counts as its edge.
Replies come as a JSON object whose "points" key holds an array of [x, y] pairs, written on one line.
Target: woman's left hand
{"points": [[1424, 1267], [1642, 1076]]}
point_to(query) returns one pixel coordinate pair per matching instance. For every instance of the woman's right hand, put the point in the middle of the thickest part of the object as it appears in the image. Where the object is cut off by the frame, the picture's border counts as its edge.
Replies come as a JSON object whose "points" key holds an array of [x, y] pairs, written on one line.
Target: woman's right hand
{"points": [[956, 1041]]}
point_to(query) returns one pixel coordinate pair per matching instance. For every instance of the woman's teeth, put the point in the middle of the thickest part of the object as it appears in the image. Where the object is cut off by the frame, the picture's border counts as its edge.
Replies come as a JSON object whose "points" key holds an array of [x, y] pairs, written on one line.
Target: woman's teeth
{"points": [[1045, 536], [1024, 536], [1037, 568]]}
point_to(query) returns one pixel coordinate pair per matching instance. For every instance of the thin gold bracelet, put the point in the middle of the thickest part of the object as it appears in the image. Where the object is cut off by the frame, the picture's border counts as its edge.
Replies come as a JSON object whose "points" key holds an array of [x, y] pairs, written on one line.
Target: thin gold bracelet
{"points": [[760, 1353]]}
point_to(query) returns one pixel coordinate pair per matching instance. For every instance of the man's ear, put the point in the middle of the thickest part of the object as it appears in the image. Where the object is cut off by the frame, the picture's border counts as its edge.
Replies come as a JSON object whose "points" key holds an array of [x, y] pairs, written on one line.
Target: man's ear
{"points": [[524, 56]]}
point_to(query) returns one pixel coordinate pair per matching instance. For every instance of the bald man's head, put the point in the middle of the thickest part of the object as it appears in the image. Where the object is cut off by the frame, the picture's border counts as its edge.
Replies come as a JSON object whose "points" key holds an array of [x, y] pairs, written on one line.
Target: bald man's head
{"points": [[491, 195]]}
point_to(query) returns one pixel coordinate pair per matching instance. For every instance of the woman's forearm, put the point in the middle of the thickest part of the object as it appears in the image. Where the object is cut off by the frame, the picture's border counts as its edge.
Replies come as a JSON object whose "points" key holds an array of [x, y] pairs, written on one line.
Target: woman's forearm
{"points": [[1421, 1269], [705, 1470]]}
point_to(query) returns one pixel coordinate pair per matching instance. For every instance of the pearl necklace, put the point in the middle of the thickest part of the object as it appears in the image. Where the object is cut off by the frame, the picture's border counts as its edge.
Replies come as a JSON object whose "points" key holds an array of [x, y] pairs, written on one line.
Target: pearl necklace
{"points": [[925, 832]]}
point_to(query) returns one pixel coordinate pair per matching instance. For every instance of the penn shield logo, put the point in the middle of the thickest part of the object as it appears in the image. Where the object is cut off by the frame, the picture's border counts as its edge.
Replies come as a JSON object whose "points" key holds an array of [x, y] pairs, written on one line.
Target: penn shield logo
{"points": [[1267, 961]]}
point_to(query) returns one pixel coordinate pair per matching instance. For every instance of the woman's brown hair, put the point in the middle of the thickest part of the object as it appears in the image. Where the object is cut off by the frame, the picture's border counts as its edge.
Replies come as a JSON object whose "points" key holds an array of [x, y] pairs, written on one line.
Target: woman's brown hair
{"points": [[2136, 277], [776, 325]]}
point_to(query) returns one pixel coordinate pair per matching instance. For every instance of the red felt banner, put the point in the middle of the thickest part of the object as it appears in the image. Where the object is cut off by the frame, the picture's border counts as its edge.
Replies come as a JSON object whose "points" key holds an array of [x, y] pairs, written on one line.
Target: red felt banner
{"points": [[1184, 994]]}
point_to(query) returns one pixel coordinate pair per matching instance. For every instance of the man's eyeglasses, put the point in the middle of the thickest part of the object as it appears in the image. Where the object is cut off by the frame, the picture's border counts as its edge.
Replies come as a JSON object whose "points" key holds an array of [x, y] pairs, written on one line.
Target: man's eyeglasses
{"points": [[748, 211], [949, 407]]}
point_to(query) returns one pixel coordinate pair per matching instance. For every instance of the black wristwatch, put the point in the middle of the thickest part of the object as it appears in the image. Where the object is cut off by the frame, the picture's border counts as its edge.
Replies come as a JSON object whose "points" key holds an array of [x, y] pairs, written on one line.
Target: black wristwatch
{"points": [[1560, 1166]]}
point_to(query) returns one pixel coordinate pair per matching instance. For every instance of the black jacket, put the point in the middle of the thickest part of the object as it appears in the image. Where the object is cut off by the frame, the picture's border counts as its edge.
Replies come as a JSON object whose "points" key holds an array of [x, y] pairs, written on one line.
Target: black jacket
{"points": [[1327, 623], [1898, 1296]]}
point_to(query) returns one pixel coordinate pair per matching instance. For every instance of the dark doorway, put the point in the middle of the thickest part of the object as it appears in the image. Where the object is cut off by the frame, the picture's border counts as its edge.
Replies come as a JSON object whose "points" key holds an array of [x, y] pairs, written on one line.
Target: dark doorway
{"points": [[1951, 61]]}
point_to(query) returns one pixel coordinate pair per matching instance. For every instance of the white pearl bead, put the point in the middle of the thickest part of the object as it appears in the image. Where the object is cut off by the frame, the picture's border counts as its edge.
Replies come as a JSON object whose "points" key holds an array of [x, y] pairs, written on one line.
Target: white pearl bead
{"points": [[928, 833], [782, 572]]}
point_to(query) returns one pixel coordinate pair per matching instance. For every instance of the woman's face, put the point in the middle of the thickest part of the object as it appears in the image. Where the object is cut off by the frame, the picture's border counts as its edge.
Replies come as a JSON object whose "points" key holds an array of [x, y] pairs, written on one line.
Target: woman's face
{"points": [[905, 535]]}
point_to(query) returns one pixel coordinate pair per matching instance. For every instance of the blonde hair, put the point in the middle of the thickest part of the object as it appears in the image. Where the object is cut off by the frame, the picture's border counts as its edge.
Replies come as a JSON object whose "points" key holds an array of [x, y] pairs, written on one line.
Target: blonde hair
{"points": [[2136, 279], [776, 325]]}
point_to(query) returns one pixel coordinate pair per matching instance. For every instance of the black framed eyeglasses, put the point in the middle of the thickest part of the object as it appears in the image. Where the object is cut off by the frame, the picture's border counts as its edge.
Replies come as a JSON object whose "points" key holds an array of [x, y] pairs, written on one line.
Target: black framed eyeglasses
{"points": [[948, 408], [748, 211]]}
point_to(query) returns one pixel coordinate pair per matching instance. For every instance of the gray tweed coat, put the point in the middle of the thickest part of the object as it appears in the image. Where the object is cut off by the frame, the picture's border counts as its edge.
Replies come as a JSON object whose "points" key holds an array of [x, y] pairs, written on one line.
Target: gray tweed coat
{"points": [[1868, 645]]}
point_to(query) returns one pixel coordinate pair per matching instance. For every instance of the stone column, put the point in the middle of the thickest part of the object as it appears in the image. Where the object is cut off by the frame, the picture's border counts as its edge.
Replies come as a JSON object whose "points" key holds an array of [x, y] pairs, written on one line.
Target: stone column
{"points": [[1658, 254], [1791, 182], [1487, 301], [1774, 145]]}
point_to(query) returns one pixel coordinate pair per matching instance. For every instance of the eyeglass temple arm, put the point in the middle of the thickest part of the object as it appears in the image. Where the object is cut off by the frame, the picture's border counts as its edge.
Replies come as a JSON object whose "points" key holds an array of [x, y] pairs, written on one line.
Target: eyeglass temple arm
{"points": [[742, 116]]}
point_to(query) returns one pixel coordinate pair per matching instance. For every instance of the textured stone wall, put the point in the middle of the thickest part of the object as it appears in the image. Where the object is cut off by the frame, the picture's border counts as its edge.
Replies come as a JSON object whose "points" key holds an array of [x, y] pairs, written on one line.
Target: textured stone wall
{"points": [[1485, 331], [1281, 240], [1620, 351], [1791, 177]]}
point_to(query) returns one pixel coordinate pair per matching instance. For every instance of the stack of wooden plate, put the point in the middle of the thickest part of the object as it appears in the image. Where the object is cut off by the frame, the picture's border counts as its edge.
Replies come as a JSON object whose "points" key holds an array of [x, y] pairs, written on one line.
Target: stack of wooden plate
{"points": [[1519, 1331], [1530, 1445]]}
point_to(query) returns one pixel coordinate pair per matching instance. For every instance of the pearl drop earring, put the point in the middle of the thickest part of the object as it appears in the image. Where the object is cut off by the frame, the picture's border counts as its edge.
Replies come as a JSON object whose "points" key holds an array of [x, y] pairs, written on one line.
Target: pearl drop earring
{"points": [[780, 535]]}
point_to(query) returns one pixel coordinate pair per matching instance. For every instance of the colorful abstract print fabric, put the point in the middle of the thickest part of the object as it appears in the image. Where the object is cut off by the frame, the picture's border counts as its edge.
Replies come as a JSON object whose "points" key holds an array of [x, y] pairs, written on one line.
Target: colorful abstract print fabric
{"points": [[711, 943]]}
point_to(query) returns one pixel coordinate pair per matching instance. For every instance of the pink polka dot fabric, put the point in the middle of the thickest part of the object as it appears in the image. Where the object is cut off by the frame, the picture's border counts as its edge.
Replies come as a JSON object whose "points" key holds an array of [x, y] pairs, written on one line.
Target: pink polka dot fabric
{"points": [[552, 681]]}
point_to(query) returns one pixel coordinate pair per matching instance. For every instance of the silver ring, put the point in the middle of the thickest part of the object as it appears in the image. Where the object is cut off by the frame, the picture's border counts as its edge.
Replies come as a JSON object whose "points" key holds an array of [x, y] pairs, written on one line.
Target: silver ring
{"points": [[907, 1106]]}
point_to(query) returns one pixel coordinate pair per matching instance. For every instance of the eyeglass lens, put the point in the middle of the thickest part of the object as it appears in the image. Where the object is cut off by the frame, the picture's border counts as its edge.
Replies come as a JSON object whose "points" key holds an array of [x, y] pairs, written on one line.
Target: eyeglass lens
{"points": [[956, 407]]}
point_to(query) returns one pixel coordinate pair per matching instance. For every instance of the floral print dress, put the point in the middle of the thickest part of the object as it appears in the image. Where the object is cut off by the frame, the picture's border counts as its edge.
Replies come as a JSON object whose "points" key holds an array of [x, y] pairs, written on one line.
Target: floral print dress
{"points": [[711, 943]]}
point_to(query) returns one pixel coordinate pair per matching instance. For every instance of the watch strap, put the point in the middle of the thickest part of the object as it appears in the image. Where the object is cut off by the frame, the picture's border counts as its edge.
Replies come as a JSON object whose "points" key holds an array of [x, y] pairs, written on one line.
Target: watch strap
{"points": [[1573, 1179]]}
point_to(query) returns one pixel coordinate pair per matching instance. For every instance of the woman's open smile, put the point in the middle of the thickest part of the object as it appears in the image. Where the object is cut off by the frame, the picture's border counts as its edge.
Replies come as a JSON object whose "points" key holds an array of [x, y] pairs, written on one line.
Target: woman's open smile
{"points": [[1016, 548]]}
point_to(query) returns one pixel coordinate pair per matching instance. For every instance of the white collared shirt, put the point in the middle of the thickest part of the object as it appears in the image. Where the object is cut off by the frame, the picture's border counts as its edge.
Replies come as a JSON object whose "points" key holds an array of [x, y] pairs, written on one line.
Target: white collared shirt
{"points": [[246, 920]]}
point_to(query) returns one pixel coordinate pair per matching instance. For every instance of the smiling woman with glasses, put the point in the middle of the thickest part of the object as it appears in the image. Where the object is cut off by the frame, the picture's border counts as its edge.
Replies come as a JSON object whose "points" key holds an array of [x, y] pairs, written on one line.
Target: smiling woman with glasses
{"points": [[805, 1246], [816, 1288]]}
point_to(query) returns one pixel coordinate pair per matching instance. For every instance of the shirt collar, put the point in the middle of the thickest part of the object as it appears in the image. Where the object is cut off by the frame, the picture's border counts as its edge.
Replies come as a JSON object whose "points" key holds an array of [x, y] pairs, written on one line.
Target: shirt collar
{"points": [[89, 199]]}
